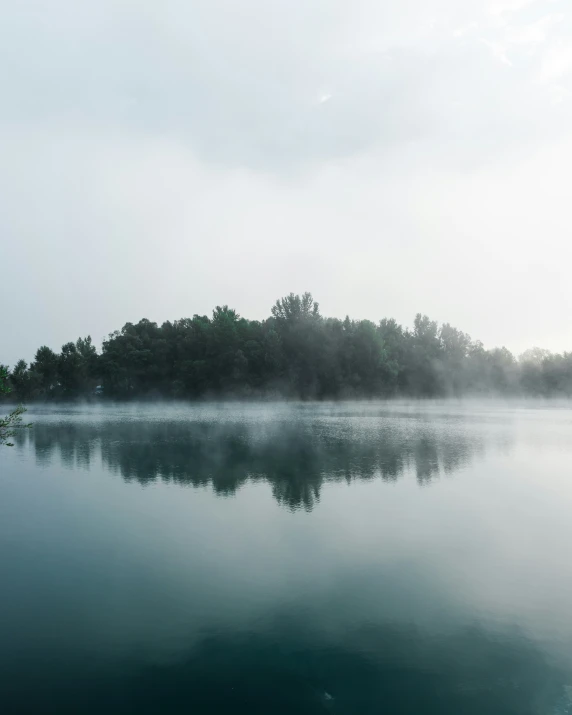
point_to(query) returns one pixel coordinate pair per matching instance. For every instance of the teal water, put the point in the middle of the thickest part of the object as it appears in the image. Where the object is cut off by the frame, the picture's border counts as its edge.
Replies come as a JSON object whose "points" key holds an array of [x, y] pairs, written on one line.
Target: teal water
{"points": [[288, 559]]}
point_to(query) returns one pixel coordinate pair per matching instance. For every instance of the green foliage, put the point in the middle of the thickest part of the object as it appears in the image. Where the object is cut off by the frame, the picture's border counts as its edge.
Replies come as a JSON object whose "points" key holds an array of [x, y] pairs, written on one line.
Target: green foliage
{"points": [[296, 352], [46, 367], [295, 308], [13, 421]]}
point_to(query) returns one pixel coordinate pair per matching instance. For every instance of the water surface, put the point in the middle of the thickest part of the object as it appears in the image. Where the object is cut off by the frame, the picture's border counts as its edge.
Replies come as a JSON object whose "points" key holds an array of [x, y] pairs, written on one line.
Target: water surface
{"points": [[401, 558]]}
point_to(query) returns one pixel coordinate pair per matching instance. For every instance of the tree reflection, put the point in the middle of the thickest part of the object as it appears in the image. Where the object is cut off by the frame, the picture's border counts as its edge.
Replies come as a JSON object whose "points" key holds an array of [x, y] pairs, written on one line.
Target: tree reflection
{"points": [[295, 458]]}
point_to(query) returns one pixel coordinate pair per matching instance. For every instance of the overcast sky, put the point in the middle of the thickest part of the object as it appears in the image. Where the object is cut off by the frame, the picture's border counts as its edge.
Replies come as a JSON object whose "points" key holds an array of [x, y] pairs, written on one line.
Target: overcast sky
{"points": [[160, 158]]}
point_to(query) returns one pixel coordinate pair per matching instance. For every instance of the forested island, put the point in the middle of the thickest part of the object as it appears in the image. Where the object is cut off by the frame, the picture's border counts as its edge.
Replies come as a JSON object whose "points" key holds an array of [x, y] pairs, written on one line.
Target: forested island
{"points": [[294, 353]]}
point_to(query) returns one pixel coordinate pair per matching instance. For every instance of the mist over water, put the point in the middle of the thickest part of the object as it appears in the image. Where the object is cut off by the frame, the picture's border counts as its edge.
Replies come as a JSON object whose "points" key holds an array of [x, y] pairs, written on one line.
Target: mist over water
{"points": [[351, 558]]}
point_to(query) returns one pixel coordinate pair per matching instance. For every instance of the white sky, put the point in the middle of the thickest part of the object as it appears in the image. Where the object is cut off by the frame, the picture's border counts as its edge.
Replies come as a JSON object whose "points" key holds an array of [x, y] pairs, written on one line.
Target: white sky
{"points": [[159, 159]]}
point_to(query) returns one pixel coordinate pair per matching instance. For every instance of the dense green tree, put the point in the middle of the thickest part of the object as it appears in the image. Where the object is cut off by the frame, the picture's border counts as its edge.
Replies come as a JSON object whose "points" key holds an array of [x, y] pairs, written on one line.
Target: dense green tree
{"points": [[294, 308], [456, 346], [423, 358], [23, 380], [295, 352], [45, 365], [503, 370]]}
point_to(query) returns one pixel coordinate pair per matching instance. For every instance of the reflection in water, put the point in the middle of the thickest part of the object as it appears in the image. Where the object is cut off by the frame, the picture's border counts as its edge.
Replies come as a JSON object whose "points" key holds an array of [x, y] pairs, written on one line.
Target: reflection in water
{"points": [[294, 457], [121, 599]]}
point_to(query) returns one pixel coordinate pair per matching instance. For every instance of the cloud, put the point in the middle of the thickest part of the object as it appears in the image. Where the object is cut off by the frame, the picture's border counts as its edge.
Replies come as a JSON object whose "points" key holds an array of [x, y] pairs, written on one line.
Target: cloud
{"points": [[557, 63], [558, 94], [158, 160], [501, 7], [534, 33], [498, 51], [237, 81], [466, 29]]}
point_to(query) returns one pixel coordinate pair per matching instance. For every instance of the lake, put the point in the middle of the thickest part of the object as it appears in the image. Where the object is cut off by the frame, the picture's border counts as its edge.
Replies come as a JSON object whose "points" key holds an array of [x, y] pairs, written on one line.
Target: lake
{"points": [[295, 558]]}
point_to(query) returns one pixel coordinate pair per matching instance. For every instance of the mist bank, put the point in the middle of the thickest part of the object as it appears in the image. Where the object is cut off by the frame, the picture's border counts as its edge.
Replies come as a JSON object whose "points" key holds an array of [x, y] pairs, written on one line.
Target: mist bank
{"points": [[294, 353]]}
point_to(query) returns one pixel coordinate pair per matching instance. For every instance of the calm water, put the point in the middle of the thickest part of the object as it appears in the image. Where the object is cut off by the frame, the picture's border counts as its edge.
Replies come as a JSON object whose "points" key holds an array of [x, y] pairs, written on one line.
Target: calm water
{"points": [[298, 559]]}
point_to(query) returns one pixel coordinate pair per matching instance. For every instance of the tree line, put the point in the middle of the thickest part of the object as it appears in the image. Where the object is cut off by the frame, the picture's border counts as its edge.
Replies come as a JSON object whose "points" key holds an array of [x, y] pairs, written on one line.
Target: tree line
{"points": [[296, 352]]}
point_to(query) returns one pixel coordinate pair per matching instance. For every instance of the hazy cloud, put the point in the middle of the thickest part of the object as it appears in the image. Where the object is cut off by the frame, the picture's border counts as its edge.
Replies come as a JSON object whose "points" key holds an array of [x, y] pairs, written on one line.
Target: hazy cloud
{"points": [[390, 157]]}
